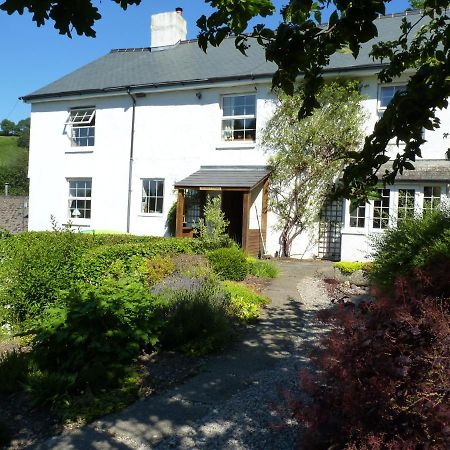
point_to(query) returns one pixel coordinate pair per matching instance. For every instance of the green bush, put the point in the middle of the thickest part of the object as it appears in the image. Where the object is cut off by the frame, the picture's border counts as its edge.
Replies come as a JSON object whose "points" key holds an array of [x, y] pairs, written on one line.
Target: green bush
{"points": [[196, 319], [36, 266], [229, 263], [347, 268], [412, 245], [262, 268], [95, 263], [245, 304], [97, 335], [13, 371], [158, 268]]}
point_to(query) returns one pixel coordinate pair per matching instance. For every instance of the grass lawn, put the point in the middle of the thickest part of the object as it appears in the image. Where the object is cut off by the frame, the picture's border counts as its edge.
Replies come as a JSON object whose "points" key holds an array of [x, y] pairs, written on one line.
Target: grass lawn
{"points": [[10, 153]]}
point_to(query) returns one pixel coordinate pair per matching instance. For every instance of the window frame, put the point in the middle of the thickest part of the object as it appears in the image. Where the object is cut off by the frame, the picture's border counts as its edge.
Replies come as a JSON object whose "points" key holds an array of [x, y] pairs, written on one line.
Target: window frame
{"points": [[387, 85], [73, 219], [424, 198], [82, 122], [156, 197], [381, 207], [244, 117], [363, 216]]}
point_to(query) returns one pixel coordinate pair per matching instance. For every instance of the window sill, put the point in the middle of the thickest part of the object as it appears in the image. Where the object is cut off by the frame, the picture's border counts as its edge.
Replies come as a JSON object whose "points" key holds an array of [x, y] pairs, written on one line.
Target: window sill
{"points": [[80, 150], [360, 231], [236, 145], [151, 215], [80, 224]]}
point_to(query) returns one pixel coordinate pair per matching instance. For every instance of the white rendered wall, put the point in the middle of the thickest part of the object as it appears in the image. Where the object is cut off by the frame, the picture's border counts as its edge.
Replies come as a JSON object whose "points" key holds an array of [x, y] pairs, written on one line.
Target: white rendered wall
{"points": [[175, 133]]}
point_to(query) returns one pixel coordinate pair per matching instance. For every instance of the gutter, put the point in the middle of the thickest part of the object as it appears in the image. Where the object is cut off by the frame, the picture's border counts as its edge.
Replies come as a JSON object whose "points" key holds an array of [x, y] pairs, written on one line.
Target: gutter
{"points": [[130, 166]]}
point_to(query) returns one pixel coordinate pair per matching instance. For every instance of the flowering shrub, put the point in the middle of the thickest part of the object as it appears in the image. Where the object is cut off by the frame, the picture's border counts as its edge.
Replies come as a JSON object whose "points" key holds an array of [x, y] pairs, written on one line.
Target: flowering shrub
{"points": [[195, 317]]}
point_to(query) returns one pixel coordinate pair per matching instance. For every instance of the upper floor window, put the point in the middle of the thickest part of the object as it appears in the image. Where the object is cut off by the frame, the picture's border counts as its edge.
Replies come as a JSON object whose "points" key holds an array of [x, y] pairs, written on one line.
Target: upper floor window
{"points": [[82, 126], [152, 195], [431, 198], [387, 92], [80, 194], [239, 118], [381, 209]]}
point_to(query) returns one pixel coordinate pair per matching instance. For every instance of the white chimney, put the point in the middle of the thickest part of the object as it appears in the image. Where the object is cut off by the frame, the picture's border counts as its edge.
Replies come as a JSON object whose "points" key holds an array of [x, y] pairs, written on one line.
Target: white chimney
{"points": [[168, 28]]}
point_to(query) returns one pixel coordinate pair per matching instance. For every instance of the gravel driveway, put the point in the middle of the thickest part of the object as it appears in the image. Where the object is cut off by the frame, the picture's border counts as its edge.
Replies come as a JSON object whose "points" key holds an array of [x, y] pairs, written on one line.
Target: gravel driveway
{"points": [[229, 404]]}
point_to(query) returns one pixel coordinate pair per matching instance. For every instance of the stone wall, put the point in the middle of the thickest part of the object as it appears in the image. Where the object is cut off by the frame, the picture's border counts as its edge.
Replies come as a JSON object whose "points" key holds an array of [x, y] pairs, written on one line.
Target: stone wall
{"points": [[14, 213]]}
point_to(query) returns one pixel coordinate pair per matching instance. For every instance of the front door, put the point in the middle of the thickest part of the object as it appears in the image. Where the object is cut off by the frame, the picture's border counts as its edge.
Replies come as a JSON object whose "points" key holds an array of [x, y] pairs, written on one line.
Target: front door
{"points": [[232, 206]]}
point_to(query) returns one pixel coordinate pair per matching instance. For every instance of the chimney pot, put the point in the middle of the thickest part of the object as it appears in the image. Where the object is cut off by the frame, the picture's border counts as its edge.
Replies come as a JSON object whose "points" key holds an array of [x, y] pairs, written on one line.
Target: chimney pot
{"points": [[179, 11]]}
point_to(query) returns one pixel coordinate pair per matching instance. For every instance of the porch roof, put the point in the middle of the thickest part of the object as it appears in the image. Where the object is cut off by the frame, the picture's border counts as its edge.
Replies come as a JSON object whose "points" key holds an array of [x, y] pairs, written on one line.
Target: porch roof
{"points": [[424, 170], [225, 177]]}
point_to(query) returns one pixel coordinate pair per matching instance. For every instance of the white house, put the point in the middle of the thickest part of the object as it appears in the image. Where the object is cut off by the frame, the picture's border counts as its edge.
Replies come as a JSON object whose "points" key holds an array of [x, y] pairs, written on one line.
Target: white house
{"points": [[115, 143]]}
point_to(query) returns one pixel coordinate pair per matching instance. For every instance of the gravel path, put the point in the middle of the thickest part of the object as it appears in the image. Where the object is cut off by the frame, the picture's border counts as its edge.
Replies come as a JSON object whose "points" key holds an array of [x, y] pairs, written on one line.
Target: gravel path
{"points": [[229, 404]]}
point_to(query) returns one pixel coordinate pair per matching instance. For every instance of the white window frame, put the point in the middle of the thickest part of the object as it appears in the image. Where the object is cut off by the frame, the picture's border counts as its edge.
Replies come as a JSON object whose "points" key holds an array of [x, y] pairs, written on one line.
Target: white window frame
{"points": [[237, 117], [145, 199], [415, 209], [77, 220], [381, 207], [81, 118], [388, 85], [440, 196], [359, 215]]}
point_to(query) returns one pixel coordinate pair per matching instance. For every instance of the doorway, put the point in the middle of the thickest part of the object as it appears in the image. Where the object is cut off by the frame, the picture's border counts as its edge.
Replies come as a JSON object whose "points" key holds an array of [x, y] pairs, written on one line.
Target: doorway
{"points": [[232, 207]]}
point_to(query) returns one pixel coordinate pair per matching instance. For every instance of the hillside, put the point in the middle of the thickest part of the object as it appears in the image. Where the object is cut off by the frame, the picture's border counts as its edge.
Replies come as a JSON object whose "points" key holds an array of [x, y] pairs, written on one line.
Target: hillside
{"points": [[10, 153]]}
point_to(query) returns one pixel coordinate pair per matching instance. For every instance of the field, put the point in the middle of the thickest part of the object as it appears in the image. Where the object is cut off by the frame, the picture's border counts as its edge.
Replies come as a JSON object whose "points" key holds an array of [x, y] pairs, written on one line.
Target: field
{"points": [[10, 153]]}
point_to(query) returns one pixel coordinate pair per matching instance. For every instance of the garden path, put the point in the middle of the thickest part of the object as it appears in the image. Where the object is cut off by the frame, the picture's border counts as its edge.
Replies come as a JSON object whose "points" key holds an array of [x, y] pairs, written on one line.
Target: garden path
{"points": [[227, 404]]}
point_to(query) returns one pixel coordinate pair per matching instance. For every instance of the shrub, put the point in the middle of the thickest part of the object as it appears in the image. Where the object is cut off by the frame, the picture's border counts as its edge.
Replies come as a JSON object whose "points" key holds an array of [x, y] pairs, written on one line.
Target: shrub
{"points": [[262, 268], [409, 246], [245, 304], [95, 263], [158, 268], [36, 266], [196, 318], [191, 265], [382, 378], [229, 263], [212, 228], [96, 336], [13, 371], [347, 268]]}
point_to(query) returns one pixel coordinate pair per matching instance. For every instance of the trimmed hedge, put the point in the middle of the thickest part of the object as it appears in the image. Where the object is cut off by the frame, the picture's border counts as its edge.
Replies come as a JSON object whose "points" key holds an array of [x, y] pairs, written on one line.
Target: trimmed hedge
{"points": [[36, 266]]}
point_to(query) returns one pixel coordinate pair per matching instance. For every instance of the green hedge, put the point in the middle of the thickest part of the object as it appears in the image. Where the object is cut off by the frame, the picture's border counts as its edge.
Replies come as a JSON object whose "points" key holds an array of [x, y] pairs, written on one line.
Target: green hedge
{"points": [[36, 266]]}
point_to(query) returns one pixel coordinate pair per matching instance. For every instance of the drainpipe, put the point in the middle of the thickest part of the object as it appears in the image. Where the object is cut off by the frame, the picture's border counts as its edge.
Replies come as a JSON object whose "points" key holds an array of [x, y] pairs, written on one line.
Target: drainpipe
{"points": [[130, 167]]}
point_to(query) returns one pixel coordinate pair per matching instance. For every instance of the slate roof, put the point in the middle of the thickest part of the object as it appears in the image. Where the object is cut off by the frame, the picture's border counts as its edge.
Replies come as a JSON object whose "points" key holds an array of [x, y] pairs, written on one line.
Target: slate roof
{"points": [[425, 170], [243, 177], [186, 63]]}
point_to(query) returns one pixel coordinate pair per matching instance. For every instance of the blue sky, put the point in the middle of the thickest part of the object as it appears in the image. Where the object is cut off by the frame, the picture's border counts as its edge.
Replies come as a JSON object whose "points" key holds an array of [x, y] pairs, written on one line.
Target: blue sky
{"points": [[33, 57]]}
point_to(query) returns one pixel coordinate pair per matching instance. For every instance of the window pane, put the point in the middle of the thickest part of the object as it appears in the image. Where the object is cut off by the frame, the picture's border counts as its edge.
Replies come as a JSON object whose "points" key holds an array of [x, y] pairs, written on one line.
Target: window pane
{"points": [[151, 202], [160, 188], [381, 209]]}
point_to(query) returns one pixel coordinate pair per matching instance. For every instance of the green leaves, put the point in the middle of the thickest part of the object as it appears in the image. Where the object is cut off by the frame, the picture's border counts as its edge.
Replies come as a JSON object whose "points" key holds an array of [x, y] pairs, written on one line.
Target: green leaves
{"points": [[78, 15]]}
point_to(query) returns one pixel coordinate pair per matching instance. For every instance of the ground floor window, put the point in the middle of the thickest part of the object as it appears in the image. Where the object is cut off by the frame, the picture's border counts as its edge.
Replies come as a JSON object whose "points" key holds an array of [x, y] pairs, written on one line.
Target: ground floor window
{"points": [[381, 209], [80, 195], [406, 203], [431, 198], [152, 195], [394, 205], [358, 216]]}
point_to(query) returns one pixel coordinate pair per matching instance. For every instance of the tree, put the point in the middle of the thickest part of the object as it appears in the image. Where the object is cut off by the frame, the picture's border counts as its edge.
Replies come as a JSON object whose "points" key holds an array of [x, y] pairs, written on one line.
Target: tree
{"points": [[308, 155], [23, 129], [9, 128]]}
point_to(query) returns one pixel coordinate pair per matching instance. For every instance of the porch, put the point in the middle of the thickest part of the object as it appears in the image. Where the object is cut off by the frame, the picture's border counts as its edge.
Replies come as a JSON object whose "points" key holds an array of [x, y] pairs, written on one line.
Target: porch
{"points": [[244, 194]]}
